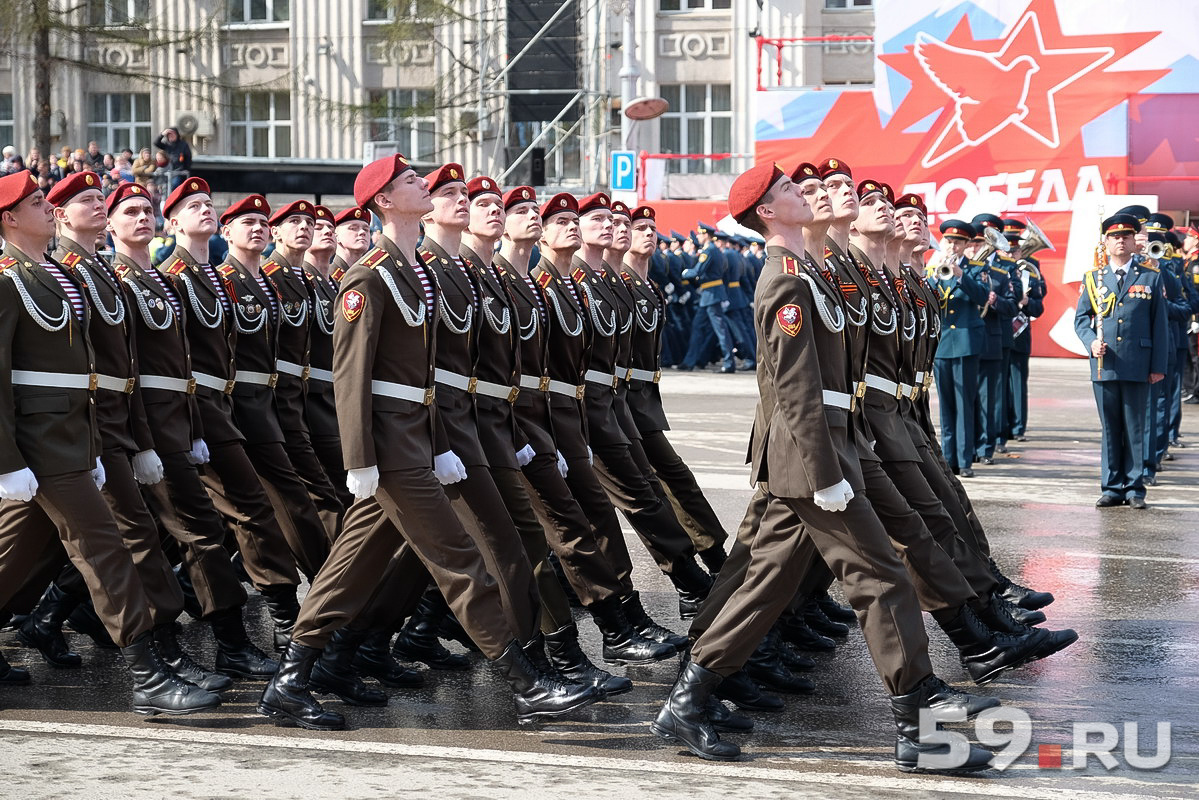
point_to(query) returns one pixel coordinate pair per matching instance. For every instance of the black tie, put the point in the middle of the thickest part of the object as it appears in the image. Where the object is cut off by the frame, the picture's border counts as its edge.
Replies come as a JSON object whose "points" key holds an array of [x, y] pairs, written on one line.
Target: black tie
{"points": [[1120, 279]]}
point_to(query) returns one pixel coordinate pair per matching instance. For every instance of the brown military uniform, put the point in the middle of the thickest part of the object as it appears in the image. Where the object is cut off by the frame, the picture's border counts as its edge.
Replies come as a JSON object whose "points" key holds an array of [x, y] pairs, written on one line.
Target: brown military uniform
{"points": [[320, 410], [53, 431]]}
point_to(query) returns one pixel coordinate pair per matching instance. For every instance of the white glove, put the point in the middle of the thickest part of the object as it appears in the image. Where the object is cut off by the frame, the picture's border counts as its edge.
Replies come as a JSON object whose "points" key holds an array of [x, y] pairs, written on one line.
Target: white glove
{"points": [[98, 474], [563, 468], [525, 454], [834, 498], [448, 468], [20, 485], [363, 482], [590, 457], [147, 467], [199, 452], [686, 296], [724, 305]]}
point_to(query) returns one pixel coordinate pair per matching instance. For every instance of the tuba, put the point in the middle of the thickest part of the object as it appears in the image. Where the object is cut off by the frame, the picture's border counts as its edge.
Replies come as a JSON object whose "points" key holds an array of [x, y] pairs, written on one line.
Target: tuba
{"points": [[996, 242], [1033, 240]]}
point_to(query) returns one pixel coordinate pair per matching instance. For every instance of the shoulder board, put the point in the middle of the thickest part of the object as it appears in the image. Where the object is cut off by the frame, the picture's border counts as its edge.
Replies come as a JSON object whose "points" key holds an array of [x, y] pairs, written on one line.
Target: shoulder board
{"points": [[71, 259], [121, 270], [271, 267], [372, 259], [428, 256], [175, 266], [624, 274], [578, 274], [1000, 271], [6, 262], [828, 252], [337, 274], [974, 263], [225, 270], [1149, 267], [544, 280], [790, 266]]}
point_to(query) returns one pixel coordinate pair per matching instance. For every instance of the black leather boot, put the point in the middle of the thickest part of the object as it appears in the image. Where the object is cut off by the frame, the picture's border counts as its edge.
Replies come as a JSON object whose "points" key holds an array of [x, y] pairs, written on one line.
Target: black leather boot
{"points": [[742, 692], [42, 629], [166, 642], [986, 654], [793, 629], [684, 718], [913, 755], [714, 558], [996, 616], [158, 690], [451, 629], [1022, 615], [834, 610], [418, 638], [814, 618], [572, 663], [286, 698], [539, 695], [725, 720], [766, 669], [949, 703], [10, 675], [1020, 595], [334, 671], [374, 658], [191, 603], [626, 642], [692, 584], [792, 660], [85, 620], [284, 609], [644, 626], [236, 655]]}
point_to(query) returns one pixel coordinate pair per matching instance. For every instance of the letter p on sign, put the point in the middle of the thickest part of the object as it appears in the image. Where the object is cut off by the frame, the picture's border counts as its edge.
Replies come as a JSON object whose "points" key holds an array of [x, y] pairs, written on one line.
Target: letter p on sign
{"points": [[624, 171]]}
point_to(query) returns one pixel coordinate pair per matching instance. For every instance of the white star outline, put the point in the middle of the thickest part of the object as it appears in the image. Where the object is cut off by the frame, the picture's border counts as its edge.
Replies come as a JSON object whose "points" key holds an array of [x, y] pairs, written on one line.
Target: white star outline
{"points": [[1105, 54]]}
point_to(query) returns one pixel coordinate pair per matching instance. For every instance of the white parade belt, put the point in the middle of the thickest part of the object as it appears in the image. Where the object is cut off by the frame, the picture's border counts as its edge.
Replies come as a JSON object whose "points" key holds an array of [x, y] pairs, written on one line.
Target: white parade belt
{"points": [[213, 382], [181, 385], [256, 378], [601, 378], [89, 381], [645, 375], [537, 384], [843, 400], [496, 390], [567, 389], [883, 385], [401, 391], [293, 369], [317, 374]]}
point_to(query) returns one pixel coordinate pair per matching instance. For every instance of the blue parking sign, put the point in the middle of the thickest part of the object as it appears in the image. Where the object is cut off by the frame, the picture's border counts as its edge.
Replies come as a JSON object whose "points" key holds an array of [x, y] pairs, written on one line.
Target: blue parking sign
{"points": [[624, 171]]}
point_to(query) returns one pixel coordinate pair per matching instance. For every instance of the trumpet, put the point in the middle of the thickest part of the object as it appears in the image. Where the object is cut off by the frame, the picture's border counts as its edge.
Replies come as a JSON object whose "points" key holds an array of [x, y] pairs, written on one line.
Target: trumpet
{"points": [[1155, 251], [942, 268]]}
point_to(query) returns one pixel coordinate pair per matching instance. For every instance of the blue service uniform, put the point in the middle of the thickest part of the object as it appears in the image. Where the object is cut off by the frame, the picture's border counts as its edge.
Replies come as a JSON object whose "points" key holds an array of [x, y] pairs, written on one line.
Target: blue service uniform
{"points": [[955, 367], [1021, 351], [1135, 328], [1189, 295], [739, 314], [708, 273], [1163, 393], [991, 411]]}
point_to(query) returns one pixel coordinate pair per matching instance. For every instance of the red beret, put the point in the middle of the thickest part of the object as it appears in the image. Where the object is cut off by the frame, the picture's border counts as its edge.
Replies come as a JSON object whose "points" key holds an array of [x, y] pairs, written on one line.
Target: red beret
{"points": [[595, 202], [446, 173], [518, 195], [620, 208], [910, 200], [751, 186], [16, 187], [73, 184], [376, 175], [124, 191], [805, 172], [482, 185], [301, 208], [645, 212], [186, 189], [889, 193], [251, 204], [323, 214], [353, 214], [1187, 230], [833, 166], [559, 204], [869, 187]]}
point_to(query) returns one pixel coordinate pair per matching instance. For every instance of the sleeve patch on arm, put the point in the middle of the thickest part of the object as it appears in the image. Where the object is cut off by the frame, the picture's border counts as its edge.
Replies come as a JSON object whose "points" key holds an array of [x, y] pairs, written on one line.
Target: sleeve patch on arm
{"points": [[790, 319], [352, 303]]}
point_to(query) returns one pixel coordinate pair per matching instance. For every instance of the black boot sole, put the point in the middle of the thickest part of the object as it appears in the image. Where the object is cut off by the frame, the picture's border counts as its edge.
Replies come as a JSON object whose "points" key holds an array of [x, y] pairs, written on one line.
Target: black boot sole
{"points": [[154, 711], [283, 719], [1056, 649], [662, 733], [348, 699], [528, 719], [430, 661], [638, 662], [914, 770], [244, 675]]}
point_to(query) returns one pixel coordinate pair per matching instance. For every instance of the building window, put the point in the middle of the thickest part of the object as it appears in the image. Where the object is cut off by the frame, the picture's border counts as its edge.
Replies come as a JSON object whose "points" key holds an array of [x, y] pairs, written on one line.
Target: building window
{"points": [[407, 117], [119, 12], [120, 120], [259, 10], [412, 10], [700, 120], [840, 4], [6, 120], [260, 124], [694, 5]]}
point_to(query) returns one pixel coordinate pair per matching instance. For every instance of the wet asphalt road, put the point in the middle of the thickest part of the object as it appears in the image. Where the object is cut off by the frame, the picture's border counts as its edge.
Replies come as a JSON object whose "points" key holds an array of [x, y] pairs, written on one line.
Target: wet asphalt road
{"points": [[1127, 581]]}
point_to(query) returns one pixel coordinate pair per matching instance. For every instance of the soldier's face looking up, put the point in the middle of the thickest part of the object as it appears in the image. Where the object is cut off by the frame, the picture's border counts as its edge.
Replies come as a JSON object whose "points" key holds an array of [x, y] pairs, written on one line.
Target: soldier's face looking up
{"points": [[596, 228], [194, 216], [816, 194], [1120, 245], [523, 223], [874, 216], [915, 229], [407, 194], [451, 206], [294, 232], [132, 222], [323, 239], [621, 232], [843, 196], [354, 236], [487, 216], [562, 232], [787, 206], [643, 237], [83, 213], [248, 232]]}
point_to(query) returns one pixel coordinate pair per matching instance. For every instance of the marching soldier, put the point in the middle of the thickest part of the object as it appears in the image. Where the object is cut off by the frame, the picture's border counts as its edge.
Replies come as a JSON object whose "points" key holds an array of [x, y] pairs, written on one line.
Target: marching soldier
{"points": [[990, 414], [708, 275], [1121, 320], [1032, 305]]}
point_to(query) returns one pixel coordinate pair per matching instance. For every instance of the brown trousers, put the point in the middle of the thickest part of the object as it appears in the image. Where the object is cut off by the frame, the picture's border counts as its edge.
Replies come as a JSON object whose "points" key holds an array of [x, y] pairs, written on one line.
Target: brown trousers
{"points": [[690, 505], [71, 506], [587, 488], [419, 512], [953, 495], [328, 452], [310, 469], [858, 551], [297, 515]]}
